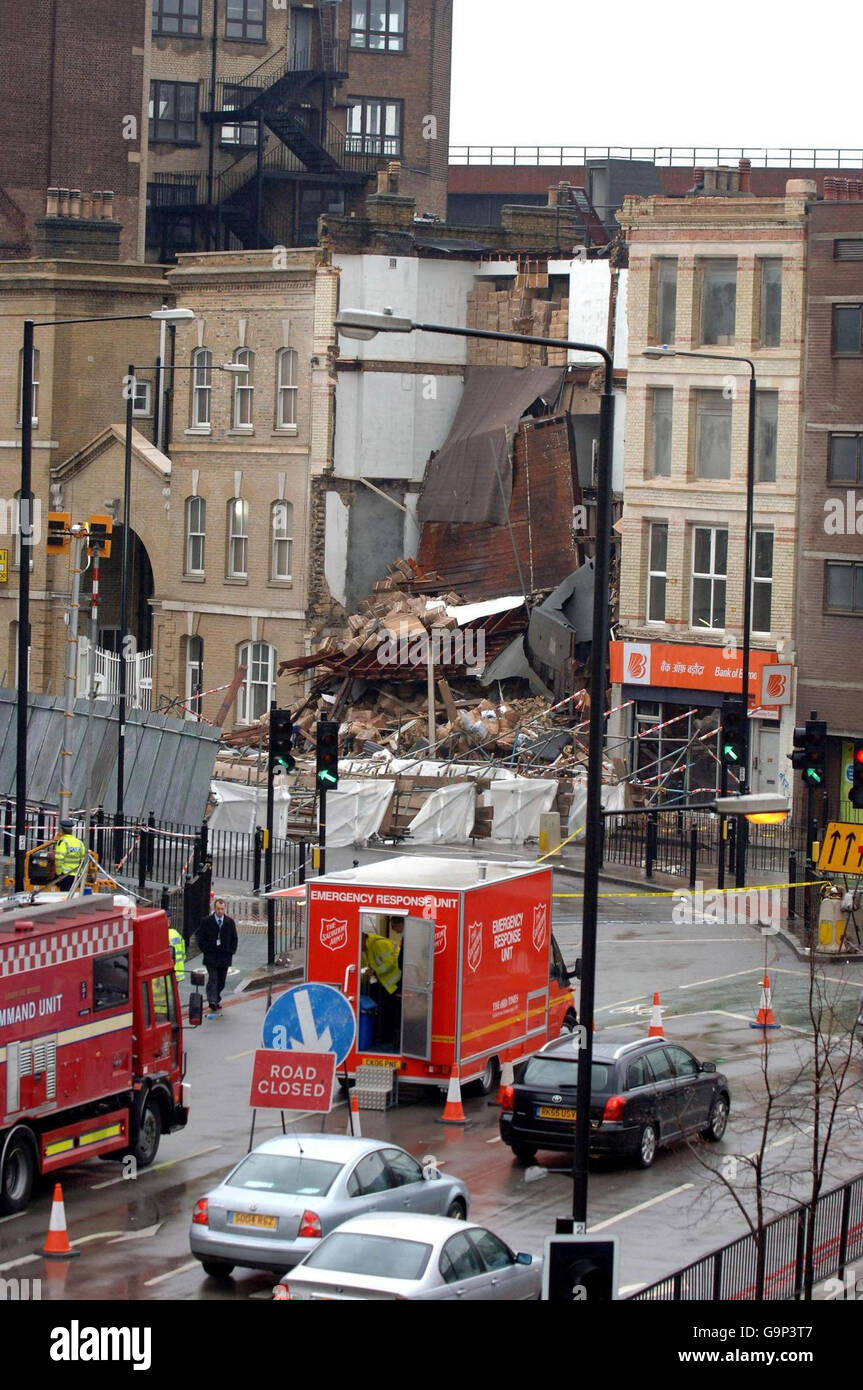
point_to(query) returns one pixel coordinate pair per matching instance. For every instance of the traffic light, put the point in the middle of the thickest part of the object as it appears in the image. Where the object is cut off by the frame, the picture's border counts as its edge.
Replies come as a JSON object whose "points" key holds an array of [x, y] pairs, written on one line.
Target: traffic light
{"points": [[281, 739], [101, 529], [810, 752], [735, 729], [580, 1269], [855, 796], [327, 764], [57, 539]]}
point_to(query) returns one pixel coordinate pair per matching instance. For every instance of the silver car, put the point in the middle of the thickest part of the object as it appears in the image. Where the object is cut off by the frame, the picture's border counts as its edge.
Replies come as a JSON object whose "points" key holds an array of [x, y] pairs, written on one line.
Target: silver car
{"points": [[386, 1255], [281, 1199]]}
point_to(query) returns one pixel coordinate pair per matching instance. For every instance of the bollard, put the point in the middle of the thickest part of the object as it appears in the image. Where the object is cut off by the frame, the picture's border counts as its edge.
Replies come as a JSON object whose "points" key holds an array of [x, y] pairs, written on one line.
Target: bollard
{"points": [[792, 891], [693, 857]]}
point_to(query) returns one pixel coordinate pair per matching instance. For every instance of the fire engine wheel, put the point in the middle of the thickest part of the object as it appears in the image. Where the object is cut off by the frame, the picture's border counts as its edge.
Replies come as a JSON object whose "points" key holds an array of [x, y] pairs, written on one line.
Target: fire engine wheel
{"points": [[146, 1145], [18, 1176], [490, 1079]]}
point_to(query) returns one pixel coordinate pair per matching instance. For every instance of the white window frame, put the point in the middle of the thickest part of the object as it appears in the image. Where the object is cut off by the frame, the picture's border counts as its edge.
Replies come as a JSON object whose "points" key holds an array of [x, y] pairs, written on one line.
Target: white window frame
{"points": [[144, 388], [656, 573], [202, 388], [238, 539], [198, 533], [281, 540], [363, 36], [244, 392], [762, 581], [286, 389], [259, 659], [714, 578], [194, 676], [34, 419]]}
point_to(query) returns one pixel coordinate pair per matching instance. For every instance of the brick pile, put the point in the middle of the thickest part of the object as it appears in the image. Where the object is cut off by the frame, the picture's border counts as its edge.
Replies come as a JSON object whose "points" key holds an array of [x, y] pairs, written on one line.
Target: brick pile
{"points": [[527, 308]]}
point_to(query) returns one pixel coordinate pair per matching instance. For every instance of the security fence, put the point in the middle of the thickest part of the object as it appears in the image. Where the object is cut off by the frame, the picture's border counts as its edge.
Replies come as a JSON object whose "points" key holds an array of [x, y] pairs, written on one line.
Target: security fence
{"points": [[688, 843]]}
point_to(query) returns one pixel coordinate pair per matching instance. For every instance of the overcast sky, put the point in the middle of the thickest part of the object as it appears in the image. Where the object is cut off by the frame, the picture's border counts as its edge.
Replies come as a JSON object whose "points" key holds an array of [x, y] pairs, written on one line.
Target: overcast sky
{"points": [[579, 72]]}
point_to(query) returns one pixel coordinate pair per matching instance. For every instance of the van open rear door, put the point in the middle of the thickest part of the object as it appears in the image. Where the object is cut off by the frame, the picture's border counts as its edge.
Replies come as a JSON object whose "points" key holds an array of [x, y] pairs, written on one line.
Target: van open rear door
{"points": [[417, 961]]}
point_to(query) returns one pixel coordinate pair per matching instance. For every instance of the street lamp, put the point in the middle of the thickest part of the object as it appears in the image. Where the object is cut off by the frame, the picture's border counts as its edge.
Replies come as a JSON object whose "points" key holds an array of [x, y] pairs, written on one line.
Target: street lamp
{"points": [[25, 542], [234, 369], [359, 323], [743, 774]]}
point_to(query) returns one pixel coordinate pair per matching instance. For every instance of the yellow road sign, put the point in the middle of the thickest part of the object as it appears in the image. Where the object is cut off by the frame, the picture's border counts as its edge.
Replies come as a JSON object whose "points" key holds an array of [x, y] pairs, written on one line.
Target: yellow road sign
{"points": [[842, 848], [4, 566]]}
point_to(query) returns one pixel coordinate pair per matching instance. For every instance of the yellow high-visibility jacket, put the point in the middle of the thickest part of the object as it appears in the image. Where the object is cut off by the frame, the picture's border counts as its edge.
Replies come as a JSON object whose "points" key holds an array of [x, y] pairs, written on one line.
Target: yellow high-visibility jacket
{"points": [[69, 854], [381, 955], [178, 951]]}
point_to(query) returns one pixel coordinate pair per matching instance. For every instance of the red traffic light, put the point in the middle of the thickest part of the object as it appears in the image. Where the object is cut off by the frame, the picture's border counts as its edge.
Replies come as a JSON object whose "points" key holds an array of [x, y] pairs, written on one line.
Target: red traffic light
{"points": [[858, 755]]}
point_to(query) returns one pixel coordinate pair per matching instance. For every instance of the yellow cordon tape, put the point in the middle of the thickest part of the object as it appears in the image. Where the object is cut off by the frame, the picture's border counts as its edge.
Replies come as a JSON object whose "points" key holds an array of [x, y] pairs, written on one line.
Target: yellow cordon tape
{"points": [[669, 892]]}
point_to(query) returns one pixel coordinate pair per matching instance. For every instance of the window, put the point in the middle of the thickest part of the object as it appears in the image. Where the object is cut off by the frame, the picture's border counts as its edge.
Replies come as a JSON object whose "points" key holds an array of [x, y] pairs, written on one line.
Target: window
{"points": [[35, 397], [259, 687], [712, 435], [402, 1168], [374, 126], [369, 1176], [141, 399], [843, 584], [683, 1062], [659, 1063], [848, 329], [771, 302], [657, 571], [459, 1260], [164, 1007], [762, 580], [238, 538], [388, 1257], [245, 133], [661, 400], [202, 381], [282, 515], [174, 112], [849, 248], [682, 749], [709, 570], [766, 421], [378, 24], [244, 19], [288, 1174], [196, 528], [638, 1074], [846, 458], [177, 17], [493, 1253], [718, 301], [666, 300], [244, 390], [194, 675], [286, 389], [111, 981]]}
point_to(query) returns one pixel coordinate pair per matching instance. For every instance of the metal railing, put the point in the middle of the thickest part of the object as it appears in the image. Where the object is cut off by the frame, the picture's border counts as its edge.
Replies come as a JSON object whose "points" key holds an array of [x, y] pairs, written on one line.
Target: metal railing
{"points": [[731, 1272], [179, 189], [330, 57], [663, 840], [683, 156]]}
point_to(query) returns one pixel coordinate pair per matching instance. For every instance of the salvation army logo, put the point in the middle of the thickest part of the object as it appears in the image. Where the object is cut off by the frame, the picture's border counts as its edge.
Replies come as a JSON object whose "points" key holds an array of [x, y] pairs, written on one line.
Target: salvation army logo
{"points": [[474, 945], [439, 938], [334, 934], [540, 925], [637, 666], [777, 685]]}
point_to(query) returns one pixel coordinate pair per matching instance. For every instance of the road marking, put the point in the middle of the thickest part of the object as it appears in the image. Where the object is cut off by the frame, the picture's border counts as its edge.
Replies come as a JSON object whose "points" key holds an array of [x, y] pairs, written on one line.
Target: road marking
{"points": [[619, 1002], [97, 1235], [172, 1273], [496, 1140], [755, 970], [156, 1168], [234, 1055], [804, 975], [144, 1234], [25, 1260], [670, 940], [642, 1206], [13, 1217]]}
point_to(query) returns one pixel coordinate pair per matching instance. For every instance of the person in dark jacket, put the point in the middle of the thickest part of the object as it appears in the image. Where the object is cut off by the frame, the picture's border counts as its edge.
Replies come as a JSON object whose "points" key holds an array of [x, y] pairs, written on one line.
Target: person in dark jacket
{"points": [[217, 938]]}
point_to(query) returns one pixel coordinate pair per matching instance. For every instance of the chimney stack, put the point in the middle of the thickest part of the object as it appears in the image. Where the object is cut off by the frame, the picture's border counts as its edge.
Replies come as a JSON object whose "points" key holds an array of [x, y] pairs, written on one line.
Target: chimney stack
{"points": [[745, 175]]}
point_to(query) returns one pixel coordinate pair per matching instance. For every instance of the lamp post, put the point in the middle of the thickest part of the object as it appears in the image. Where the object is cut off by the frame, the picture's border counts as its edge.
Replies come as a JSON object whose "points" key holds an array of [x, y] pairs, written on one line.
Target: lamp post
{"points": [[364, 325], [235, 369], [743, 774], [25, 542]]}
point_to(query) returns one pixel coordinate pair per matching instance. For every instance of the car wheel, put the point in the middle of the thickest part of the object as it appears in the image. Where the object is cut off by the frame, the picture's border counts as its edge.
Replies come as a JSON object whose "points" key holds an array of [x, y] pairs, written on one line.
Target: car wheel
{"points": [[717, 1120], [456, 1211], [490, 1079], [146, 1145], [19, 1174], [523, 1153], [647, 1145], [217, 1269]]}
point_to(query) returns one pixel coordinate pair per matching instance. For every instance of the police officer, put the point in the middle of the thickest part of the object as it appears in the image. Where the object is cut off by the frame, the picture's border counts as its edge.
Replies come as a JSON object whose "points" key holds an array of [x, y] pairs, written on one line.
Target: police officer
{"points": [[69, 854], [178, 951]]}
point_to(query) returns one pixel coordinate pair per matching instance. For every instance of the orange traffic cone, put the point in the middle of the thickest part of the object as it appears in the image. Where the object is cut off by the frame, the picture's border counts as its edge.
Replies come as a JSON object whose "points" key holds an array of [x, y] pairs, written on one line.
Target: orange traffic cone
{"points": [[507, 1078], [354, 1126], [57, 1245], [764, 1017], [655, 1030], [453, 1111]]}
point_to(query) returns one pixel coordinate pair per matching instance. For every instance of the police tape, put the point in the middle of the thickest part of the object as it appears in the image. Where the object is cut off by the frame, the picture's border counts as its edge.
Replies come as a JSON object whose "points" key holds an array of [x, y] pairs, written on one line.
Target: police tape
{"points": [[670, 892]]}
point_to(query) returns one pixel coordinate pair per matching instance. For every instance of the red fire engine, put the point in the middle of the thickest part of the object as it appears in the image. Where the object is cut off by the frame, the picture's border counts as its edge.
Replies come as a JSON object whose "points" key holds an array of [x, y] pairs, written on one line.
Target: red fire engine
{"points": [[91, 1038], [482, 978]]}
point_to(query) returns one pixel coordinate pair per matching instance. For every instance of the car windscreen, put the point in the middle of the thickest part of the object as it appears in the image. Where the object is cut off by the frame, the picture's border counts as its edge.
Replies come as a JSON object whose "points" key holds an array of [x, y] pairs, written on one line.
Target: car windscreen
{"points": [[557, 1072], [385, 1256], [289, 1174]]}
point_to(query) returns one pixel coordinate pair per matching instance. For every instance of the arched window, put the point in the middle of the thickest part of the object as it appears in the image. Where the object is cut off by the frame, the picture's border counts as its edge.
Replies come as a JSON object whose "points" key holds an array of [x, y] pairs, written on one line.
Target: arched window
{"points": [[244, 390], [202, 382], [259, 687], [281, 539], [238, 538], [196, 528], [286, 389], [35, 414]]}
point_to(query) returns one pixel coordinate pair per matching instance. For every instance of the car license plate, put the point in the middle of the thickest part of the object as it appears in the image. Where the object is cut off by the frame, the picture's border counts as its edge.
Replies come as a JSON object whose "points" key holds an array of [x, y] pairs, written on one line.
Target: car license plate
{"points": [[554, 1112], [251, 1218]]}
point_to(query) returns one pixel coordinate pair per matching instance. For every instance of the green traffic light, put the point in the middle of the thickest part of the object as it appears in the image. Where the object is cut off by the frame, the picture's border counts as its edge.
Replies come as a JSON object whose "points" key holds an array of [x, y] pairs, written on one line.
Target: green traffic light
{"points": [[325, 776], [731, 752], [814, 775]]}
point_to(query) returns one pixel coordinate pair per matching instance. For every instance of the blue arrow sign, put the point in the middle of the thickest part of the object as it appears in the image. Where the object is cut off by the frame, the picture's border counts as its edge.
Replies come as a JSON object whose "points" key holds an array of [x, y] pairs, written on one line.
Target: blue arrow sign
{"points": [[311, 1018]]}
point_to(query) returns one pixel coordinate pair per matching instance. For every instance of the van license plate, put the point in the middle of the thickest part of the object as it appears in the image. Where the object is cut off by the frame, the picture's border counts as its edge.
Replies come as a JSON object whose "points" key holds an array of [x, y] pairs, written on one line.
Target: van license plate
{"points": [[554, 1112]]}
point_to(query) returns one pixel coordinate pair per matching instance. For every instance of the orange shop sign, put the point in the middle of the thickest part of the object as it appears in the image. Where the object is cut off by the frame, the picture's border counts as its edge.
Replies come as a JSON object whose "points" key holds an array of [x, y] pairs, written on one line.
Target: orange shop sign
{"points": [[685, 667]]}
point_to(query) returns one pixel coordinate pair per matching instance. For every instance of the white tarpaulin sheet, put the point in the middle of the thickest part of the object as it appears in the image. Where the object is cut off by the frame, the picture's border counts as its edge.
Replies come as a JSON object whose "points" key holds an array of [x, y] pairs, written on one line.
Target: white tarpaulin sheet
{"points": [[355, 811], [447, 816], [518, 805], [613, 799], [241, 809]]}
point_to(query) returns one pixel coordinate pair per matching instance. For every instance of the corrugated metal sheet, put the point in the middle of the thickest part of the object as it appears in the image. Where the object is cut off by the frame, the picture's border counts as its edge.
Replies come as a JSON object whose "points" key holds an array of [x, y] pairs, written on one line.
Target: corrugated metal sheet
{"points": [[169, 762]]}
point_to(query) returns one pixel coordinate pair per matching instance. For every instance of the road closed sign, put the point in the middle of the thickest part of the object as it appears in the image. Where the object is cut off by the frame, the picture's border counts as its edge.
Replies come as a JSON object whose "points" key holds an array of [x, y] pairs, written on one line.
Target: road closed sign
{"points": [[292, 1080]]}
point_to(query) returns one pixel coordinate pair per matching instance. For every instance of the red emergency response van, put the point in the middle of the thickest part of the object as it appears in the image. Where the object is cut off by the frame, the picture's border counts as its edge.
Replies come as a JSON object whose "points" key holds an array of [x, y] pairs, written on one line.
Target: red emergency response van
{"points": [[91, 1043], [482, 980]]}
